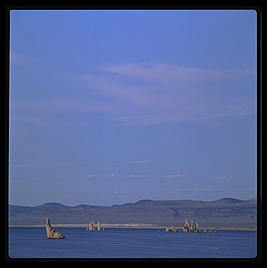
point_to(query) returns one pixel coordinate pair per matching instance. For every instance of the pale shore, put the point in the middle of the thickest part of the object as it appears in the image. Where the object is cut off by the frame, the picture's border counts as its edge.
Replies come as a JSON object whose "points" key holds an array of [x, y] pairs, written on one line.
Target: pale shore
{"points": [[134, 225]]}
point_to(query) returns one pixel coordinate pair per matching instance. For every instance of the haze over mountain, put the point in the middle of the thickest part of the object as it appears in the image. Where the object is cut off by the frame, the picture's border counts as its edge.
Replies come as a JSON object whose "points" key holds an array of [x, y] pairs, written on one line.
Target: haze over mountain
{"points": [[226, 212]]}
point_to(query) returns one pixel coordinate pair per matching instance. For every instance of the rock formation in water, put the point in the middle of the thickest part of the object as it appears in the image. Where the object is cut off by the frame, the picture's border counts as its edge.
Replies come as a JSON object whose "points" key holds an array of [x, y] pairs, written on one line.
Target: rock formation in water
{"points": [[186, 226], [193, 227], [170, 229], [91, 226], [98, 226], [51, 233]]}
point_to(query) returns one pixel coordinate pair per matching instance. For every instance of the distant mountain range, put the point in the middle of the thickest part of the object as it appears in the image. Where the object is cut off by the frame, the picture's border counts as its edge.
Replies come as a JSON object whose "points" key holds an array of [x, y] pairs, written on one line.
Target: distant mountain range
{"points": [[227, 212]]}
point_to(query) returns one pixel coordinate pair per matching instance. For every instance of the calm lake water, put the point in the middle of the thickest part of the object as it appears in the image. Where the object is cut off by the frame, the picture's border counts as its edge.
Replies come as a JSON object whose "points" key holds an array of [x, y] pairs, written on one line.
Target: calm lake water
{"points": [[131, 243]]}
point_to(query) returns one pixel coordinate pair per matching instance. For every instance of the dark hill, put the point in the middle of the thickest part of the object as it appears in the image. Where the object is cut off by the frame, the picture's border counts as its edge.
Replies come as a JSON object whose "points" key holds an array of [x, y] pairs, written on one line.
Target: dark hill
{"points": [[227, 212], [51, 206]]}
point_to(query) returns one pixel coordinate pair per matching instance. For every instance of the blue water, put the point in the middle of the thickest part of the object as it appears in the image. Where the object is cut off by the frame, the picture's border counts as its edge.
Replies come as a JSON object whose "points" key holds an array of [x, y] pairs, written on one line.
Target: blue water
{"points": [[131, 243]]}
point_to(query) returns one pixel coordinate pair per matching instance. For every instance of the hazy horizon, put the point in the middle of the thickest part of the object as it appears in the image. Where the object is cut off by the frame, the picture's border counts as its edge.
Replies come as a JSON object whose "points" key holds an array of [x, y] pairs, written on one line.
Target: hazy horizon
{"points": [[111, 107]]}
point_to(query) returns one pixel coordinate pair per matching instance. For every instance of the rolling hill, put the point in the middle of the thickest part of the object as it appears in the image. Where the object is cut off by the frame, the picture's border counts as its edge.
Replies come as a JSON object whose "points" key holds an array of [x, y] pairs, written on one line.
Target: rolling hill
{"points": [[227, 212]]}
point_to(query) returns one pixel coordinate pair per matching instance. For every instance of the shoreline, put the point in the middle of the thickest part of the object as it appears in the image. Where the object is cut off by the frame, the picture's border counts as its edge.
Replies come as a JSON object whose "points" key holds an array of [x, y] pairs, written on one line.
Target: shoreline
{"points": [[132, 226]]}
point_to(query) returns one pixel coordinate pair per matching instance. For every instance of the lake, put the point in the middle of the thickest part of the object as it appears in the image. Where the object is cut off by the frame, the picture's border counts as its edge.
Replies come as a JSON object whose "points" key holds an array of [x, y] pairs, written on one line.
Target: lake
{"points": [[27, 242]]}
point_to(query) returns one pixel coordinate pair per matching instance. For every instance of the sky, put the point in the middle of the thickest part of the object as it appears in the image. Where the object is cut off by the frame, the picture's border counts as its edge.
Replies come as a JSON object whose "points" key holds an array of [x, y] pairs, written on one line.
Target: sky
{"points": [[109, 107]]}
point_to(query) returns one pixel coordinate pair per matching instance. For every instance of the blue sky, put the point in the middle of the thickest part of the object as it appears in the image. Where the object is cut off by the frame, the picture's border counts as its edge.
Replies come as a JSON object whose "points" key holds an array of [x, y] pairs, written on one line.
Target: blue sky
{"points": [[109, 107]]}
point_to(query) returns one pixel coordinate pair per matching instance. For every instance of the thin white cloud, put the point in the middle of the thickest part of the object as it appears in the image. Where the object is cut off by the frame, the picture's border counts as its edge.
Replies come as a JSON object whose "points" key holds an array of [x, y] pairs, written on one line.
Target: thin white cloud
{"points": [[82, 124], [90, 176], [23, 60], [147, 94], [112, 175], [140, 162], [26, 119], [20, 165], [166, 74], [173, 176], [137, 176], [61, 163], [221, 177], [63, 105]]}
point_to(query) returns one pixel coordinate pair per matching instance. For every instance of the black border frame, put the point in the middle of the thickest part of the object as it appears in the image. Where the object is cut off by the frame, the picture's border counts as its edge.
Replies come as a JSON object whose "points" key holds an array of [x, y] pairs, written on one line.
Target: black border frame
{"points": [[183, 5]]}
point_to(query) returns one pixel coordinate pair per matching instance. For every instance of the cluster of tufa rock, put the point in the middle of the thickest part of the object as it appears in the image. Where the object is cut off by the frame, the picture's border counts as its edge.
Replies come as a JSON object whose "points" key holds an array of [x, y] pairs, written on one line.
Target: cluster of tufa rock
{"points": [[170, 229], [92, 226], [193, 227], [50, 232]]}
